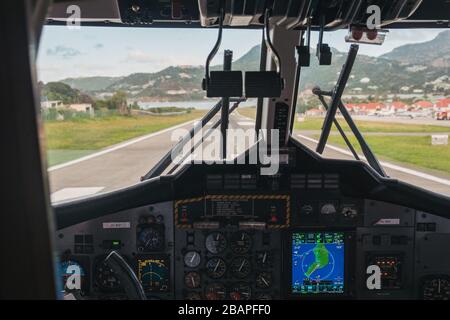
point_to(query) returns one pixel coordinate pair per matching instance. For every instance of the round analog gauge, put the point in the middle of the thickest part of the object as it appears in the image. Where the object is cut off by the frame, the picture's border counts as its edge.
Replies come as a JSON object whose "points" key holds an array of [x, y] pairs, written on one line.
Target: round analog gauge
{"points": [[192, 259], [349, 212], [192, 280], [150, 239], [193, 296], [216, 268], [241, 243], [241, 291], [264, 280], [216, 243], [263, 259], [105, 277], [436, 288], [328, 208], [215, 291], [240, 267]]}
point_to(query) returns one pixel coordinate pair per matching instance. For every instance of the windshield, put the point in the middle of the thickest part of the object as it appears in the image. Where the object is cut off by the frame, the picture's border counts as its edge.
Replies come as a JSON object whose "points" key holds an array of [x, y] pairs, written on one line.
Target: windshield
{"points": [[398, 94], [115, 100]]}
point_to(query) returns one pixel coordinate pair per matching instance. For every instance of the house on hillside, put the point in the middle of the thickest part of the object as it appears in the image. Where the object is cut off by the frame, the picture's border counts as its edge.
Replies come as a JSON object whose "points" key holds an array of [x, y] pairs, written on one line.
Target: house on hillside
{"points": [[47, 104], [82, 107]]}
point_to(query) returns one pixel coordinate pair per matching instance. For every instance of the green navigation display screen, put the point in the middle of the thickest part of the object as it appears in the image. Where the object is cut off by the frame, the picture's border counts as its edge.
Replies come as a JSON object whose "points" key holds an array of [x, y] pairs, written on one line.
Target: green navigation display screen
{"points": [[318, 263]]}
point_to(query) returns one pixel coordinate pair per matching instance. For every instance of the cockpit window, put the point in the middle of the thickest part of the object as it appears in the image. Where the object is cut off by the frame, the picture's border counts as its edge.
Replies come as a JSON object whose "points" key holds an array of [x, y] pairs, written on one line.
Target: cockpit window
{"points": [[398, 95], [115, 100]]}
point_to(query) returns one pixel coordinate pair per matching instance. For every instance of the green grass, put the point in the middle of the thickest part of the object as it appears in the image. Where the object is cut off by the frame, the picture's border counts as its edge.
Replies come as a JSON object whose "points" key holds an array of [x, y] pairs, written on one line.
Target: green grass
{"points": [[97, 133], [372, 126], [55, 157], [416, 151], [72, 139]]}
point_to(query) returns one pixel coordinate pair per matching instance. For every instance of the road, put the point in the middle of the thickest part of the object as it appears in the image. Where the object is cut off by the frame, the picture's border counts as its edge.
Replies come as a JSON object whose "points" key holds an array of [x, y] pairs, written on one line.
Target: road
{"points": [[123, 164], [423, 121]]}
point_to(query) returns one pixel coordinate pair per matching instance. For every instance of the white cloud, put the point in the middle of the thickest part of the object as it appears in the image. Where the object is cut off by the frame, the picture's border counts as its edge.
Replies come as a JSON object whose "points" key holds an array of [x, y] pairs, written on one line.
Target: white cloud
{"points": [[140, 56], [64, 52]]}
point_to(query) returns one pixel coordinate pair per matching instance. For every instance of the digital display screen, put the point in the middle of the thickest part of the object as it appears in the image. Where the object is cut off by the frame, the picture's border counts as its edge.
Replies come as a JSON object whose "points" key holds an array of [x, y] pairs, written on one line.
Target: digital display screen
{"points": [[153, 272], [318, 263]]}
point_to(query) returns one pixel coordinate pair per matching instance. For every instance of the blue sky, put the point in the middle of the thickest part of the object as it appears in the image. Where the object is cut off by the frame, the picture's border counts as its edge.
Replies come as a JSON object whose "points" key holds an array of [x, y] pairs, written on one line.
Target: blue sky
{"points": [[98, 51]]}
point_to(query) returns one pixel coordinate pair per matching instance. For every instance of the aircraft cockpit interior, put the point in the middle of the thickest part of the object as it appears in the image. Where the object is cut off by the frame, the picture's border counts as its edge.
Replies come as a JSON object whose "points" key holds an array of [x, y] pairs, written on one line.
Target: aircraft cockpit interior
{"points": [[276, 220]]}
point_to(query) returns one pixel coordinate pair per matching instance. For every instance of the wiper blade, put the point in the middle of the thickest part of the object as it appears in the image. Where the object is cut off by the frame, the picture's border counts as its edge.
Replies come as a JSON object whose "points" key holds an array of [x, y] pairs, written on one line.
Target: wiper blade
{"points": [[320, 95], [330, 118], [165, 162], [336, 97], [207, 134], [368, 153]]}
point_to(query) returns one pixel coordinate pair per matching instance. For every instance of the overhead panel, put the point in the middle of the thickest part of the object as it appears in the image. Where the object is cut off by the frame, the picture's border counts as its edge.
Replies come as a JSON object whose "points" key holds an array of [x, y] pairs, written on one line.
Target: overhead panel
{"points": [[294, 14]]}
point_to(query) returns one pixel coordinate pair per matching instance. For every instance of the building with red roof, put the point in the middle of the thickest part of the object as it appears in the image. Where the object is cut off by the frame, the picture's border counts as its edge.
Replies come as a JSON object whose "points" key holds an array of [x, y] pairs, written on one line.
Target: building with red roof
{"points": [[422, 104], [442, 104]]}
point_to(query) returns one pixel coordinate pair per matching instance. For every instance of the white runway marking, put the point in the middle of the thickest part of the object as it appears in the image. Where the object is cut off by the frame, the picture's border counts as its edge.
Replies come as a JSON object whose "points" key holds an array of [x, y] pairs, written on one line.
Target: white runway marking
{"points": [[117, 147], [386, 164], [72, 193]]}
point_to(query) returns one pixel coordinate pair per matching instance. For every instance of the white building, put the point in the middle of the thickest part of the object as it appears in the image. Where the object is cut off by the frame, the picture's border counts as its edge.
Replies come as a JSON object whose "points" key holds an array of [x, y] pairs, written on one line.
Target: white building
{"points": [[82, 107], [51, 104]]}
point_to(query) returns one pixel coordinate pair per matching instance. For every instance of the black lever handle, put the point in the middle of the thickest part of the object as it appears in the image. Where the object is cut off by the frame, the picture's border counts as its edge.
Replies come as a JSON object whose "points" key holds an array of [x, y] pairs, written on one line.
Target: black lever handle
{"points": [[128, 279]]}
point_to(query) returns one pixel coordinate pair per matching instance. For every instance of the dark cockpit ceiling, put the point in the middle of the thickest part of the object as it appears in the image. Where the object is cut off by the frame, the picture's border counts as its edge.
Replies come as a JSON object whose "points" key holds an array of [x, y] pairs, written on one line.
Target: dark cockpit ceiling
{"points": [[292, 14]]}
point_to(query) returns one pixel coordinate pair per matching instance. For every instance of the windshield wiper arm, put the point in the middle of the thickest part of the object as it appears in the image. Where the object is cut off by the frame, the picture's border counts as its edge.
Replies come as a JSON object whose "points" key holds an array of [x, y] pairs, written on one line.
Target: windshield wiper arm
{"points": [[319, 93], [167, 159], [336, 97], [165, 162], [368, 153], [207, 134], [336, 103]]}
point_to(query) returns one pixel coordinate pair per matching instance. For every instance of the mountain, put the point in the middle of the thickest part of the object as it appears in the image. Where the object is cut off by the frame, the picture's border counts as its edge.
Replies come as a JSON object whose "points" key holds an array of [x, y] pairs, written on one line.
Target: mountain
{"points": [[421, 68], [248, 62], [88, 84], [63, 92], [435, 53]]}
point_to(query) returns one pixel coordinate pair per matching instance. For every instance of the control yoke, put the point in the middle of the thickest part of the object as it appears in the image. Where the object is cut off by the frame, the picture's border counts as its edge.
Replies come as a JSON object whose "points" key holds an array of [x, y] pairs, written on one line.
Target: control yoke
{"points": [[126, 275]]}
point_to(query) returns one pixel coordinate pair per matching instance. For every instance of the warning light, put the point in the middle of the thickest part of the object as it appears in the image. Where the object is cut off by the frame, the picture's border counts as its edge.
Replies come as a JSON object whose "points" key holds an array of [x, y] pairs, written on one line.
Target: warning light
{"points": [[359, 34]]}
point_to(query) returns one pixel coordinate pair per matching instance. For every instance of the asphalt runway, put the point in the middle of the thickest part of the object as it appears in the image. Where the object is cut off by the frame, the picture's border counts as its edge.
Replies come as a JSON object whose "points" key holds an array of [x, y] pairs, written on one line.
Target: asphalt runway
{"points": [[123, 164]]}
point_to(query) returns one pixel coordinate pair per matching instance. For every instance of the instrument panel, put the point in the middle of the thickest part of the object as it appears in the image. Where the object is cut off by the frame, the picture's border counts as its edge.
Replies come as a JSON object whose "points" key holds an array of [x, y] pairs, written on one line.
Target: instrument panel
{"points": [[228, 263], [225, 248], [308, 232]]}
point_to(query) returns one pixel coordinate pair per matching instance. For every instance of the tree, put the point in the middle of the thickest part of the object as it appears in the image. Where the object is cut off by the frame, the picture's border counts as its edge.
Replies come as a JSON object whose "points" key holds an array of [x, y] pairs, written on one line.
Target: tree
{"points": [[119, 102]]}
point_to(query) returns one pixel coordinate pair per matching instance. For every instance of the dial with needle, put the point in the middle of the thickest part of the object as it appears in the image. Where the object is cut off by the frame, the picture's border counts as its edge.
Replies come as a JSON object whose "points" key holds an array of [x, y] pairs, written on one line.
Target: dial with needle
{"points": [[217, 265], [242, 265]]}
